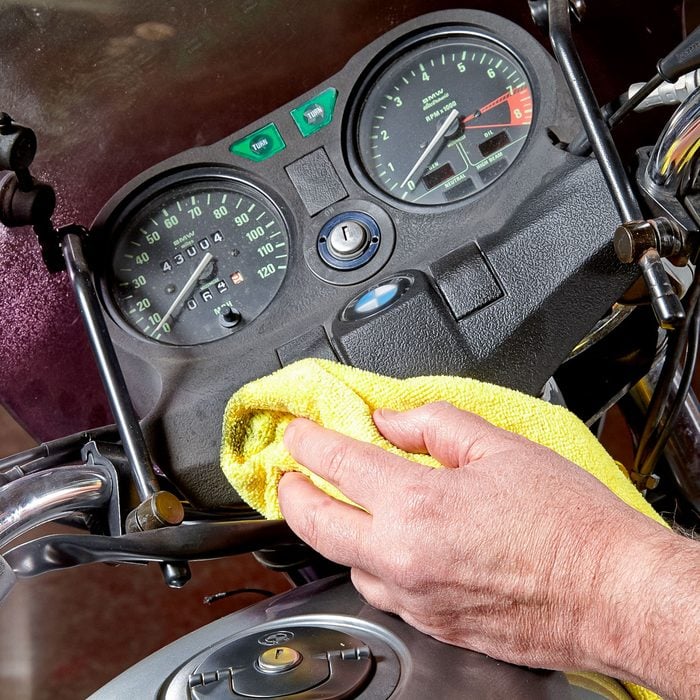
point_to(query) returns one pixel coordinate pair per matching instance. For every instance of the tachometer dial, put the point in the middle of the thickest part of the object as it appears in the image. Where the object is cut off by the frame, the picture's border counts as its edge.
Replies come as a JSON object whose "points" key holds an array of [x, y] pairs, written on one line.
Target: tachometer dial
{"points": [[444, 119], [198, 260]]}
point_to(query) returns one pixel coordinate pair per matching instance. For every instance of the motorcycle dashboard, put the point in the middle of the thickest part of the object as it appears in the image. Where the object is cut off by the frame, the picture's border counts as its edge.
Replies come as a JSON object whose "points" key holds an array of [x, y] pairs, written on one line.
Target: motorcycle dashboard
{"points": [[409, 196], [430, 123]]}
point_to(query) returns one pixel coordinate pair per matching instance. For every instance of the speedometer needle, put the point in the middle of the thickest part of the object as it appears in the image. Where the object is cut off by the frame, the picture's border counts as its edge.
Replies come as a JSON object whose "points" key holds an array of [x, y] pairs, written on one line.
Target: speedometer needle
{"points": [[184, 292], [431, 146]]}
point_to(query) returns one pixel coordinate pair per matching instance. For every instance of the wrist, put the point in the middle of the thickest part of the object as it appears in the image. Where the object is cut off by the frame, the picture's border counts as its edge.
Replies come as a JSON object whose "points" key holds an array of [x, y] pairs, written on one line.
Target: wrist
{"points": [[644, 621]]}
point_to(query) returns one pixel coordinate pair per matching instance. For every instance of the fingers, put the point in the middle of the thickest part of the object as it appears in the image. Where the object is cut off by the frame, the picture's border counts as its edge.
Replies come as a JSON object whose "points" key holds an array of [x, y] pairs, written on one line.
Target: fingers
{"points": [[454, 437], [363, 472], [336, 530]]}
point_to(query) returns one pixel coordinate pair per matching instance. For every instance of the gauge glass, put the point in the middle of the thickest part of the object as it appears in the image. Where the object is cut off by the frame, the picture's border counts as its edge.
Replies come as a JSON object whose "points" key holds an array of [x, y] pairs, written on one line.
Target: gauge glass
{"points": [[444, 120], [198, 261]]}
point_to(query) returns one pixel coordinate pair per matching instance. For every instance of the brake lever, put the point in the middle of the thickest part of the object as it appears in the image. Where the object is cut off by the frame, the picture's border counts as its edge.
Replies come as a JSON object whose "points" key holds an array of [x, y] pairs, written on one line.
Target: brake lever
{"points": [[188, 541]]}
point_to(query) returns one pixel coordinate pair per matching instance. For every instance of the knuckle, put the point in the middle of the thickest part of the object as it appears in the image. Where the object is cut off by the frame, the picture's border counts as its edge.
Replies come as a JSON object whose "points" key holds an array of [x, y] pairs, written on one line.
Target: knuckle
{"points": [[312, 526], [438, 409], [295, 435], [410, 577], [372, 597], [372, 594], [405, 568], [421, 501], [336, 458]]}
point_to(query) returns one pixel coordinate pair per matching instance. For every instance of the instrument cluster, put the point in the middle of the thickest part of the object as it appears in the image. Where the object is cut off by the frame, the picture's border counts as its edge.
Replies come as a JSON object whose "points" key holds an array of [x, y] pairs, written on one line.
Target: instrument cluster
{"points": [[411, 215], [202, 251]]}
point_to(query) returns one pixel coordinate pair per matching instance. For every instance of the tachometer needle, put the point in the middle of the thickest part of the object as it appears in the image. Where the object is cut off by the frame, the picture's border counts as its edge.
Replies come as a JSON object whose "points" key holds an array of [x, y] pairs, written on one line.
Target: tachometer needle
{"points": [[184, 292], [494, 103], [428, 151]]}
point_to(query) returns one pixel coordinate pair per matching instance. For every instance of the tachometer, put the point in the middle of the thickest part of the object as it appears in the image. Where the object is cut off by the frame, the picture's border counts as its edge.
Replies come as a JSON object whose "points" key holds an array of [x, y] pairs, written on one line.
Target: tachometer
{"points": [[198, 260], [444, 118]]}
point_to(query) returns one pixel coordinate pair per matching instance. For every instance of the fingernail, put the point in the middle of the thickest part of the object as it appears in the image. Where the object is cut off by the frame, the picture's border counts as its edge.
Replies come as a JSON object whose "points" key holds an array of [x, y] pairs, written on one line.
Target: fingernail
{"points": [[279, 483], [386, 413], [295, 422], [293, 425], [289, 430]]}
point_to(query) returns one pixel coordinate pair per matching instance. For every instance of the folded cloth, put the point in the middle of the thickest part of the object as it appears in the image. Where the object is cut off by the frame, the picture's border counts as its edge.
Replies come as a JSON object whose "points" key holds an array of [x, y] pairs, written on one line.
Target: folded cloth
{"points": [[342, 398], [253, 456]]}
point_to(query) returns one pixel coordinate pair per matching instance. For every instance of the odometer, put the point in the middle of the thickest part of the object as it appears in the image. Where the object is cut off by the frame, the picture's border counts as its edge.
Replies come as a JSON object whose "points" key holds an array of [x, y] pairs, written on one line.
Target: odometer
{"points": [[444, 118], [196, 261]]}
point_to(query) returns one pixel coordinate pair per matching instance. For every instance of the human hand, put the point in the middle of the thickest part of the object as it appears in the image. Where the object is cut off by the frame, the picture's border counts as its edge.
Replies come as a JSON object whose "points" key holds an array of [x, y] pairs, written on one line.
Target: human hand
{"points": [[511, 550]]}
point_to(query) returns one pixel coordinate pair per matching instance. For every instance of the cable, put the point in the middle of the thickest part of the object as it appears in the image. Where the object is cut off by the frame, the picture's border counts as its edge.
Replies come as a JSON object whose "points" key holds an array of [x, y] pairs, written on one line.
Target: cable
{"points": [[614, 112], [634, 101], [682, 59], [51, 453], [580, 145], [684, 385], [664, 385], [209, 599]]}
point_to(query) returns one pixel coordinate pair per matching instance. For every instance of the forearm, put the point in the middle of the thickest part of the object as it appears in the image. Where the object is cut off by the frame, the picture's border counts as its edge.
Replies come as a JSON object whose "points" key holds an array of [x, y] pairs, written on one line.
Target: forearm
{"points": [[650, 620]]}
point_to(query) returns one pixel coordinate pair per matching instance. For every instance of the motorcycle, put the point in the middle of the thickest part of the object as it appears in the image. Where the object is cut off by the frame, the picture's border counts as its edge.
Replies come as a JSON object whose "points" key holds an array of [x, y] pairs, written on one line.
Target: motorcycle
{"points": [[427, 179]]}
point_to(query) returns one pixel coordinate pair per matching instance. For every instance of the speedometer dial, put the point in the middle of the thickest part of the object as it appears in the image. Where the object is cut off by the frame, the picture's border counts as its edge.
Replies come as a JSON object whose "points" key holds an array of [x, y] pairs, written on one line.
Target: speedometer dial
{"points": [[444, 119], [198, 261]]}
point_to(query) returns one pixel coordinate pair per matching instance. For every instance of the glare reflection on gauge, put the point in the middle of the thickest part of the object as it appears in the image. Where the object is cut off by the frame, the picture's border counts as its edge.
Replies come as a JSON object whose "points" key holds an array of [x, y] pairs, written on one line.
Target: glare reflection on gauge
{"points": [[198, 260]]}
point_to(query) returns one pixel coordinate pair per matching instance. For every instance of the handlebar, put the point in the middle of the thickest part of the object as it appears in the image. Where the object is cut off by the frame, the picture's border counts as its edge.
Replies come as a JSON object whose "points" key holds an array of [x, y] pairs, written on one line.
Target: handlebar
{"points": [[47, 495]]}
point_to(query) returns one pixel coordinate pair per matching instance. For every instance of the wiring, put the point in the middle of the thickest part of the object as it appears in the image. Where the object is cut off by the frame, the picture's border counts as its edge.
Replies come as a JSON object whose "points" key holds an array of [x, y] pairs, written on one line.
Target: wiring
{"points": [[661, 416], [209, 599]]}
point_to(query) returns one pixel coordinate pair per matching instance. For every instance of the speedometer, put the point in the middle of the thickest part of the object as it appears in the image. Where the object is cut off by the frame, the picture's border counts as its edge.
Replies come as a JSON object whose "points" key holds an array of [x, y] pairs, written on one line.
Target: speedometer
{"points": [[443, 118], [196, 261]]}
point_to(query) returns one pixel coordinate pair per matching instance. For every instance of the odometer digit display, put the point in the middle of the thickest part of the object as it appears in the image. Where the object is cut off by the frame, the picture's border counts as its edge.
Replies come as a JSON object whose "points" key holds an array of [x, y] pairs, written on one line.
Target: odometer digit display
{"points": [[458, 105]]}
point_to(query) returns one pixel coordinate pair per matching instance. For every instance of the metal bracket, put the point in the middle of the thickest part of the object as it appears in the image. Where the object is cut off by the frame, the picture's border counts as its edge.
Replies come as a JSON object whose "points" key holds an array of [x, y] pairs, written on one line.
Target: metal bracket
{"points": [[191, 541], [92, 455]]}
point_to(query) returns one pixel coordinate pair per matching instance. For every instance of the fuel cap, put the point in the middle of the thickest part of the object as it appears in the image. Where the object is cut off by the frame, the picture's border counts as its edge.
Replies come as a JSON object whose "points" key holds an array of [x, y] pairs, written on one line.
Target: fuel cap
{"points": [[283, 663], [278, 660]]}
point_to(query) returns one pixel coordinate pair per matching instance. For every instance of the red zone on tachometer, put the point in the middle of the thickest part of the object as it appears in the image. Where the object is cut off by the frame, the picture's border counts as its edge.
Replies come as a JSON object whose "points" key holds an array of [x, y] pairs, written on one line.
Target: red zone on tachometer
{"points": [[519, 104]]}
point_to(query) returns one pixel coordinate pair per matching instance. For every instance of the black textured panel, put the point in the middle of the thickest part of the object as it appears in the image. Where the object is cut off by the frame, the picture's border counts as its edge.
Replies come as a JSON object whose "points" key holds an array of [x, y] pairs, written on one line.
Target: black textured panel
{"points": [[312, 344], [466, 280], [415, 336], [316, 181]]}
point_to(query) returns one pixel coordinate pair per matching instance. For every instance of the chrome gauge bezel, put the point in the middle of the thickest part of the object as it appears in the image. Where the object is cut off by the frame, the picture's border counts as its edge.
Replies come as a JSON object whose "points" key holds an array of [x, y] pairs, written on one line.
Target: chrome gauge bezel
{"points": [[157, 187], [399, 51]]}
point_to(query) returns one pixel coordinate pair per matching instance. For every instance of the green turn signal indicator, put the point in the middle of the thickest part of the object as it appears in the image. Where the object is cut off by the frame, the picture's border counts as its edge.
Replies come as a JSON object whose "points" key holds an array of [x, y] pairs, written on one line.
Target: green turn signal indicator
{"points": [[260, 145], [315, 113]]}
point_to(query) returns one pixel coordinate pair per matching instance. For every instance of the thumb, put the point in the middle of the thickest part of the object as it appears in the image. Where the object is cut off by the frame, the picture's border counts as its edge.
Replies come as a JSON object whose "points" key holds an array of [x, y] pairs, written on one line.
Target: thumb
{"points": [[454, 437]]}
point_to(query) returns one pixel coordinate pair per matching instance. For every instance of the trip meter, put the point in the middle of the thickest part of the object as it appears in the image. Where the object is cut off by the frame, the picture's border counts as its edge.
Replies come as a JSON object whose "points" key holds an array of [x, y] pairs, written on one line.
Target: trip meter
{"points": [[197, 260], [444, 117]]}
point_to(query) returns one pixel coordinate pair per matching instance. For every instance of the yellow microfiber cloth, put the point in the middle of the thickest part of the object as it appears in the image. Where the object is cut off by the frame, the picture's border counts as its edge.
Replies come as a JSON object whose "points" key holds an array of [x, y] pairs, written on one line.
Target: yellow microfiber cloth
{"points": [[342, 398]]}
